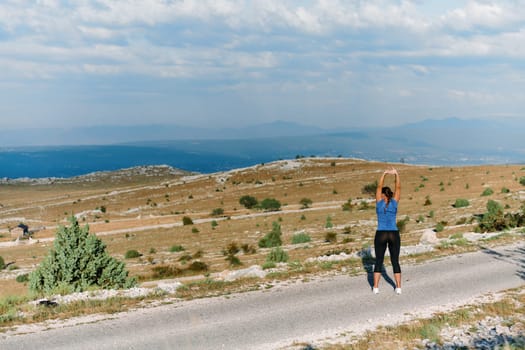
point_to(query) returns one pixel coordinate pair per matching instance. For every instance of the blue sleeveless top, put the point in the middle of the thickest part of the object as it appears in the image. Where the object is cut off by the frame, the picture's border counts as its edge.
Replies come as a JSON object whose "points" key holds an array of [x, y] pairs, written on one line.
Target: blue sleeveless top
{"points": [[386, 216]]}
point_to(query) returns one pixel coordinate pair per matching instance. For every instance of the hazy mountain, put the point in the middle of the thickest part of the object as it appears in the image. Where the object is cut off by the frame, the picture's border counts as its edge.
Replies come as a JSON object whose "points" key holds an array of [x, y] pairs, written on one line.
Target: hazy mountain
{"points": [[112, 134], [450, 141]]}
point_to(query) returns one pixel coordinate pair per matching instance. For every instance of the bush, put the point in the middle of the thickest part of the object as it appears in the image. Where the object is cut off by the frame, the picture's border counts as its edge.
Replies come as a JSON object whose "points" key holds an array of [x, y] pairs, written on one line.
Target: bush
{"points": [[505, 190], [305, 203], [439, 227], [348, 205], [186, 220], [277, 255], [79, 261], [198, 266], [299, 238], [165, 271], [23, 278], [401, 224], [493, 219], [428, 201], [248, 201], [230, 253], [248, 249], [487, 192], [330, 237], [2, 263], [131, 254], [370, 188], [522, 180], [217, 212], [270, 204], [328, 223], [176, 248], [460, 203], [272, 238]]}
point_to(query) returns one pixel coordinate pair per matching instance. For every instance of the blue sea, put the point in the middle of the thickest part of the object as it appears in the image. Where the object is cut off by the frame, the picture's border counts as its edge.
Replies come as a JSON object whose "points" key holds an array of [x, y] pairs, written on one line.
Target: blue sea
{"points": [[208, 156]]}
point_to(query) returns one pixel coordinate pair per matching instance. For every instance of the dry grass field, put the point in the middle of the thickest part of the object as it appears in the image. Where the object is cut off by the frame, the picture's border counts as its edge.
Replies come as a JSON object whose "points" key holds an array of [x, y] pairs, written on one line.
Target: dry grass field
{"points": [[145, 213]]}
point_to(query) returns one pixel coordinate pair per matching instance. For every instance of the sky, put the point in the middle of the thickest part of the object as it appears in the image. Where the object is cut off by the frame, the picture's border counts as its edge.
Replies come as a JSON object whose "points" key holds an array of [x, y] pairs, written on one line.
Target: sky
{"points": [[222, 63]]}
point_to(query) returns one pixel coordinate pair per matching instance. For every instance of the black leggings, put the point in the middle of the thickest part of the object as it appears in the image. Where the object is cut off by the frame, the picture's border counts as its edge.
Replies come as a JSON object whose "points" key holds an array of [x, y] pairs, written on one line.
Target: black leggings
{"points": [[393, 241]]}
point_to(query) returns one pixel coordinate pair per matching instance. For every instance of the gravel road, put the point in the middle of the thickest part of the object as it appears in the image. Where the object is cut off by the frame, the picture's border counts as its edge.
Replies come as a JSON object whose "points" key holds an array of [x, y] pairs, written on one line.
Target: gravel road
{"points": [[315, 312]]}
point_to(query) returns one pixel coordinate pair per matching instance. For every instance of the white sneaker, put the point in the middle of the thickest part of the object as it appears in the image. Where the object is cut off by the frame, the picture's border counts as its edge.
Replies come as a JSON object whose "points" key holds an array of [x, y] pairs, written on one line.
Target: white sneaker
{"points": [[375, 290], [398, 290]]}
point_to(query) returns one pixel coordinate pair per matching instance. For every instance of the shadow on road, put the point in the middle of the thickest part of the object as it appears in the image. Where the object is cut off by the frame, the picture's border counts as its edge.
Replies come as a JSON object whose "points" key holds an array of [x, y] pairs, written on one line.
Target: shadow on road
{"points": [[512, 258], [368, 262]]}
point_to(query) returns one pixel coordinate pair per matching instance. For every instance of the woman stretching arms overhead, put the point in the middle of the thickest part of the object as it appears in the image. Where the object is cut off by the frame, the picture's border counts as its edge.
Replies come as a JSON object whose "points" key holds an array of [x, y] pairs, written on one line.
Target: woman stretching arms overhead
{"points": [[387, 234]]}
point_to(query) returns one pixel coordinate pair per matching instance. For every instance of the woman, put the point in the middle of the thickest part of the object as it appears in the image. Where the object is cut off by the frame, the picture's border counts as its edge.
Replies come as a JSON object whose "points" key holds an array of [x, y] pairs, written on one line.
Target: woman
{"points": [[387, 234]]}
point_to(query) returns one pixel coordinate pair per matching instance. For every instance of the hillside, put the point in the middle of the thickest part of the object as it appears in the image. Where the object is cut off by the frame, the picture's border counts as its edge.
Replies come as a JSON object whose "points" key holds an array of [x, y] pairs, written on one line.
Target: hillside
{"points": [[146, 213]]}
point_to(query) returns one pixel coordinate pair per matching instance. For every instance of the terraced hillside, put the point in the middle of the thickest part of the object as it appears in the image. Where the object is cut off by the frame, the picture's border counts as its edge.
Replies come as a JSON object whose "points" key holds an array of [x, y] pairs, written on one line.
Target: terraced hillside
{"points": [[148, 210]]}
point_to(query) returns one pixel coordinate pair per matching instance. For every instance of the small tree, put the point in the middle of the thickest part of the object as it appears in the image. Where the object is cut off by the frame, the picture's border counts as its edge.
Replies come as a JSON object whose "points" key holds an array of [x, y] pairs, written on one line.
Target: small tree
{"points": [[248, 201], [272, 238], [270, 204], [2, 263], [78, 261], [186, 220]]}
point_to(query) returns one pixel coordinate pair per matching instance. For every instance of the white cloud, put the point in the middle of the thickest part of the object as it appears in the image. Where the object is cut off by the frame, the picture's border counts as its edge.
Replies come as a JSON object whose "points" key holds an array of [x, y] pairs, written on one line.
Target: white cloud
{"points": [[374, 50]]}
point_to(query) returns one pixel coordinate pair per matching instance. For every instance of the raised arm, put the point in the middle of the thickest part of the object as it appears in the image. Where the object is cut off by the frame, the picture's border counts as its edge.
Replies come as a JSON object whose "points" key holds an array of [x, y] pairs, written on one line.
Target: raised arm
{"points": [[397, 192], [380, 186]]}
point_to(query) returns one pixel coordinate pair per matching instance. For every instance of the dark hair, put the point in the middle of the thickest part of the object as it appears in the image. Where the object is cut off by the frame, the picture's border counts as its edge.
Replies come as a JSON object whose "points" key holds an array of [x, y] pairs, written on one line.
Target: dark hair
{"points": [[387, 192]]}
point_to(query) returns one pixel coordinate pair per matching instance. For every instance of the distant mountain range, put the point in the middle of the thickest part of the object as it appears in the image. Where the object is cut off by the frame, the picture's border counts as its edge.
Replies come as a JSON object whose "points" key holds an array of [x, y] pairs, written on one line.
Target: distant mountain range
{"points": [[66, 153]]}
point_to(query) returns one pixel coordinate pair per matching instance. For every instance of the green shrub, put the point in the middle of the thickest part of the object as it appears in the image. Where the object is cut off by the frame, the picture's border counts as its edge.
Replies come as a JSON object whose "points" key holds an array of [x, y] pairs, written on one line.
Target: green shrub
{"points": [[299, 238], [348, 205], [522, 180], [248, 201], [270, 204], [186, 220], [176, 248], [230, 253], [505, 190], [23, 278], [217, 212], [305, 203], [268, 265], [487, 192], [277, 255], [428, 201], [131, 254], [214, 224], [401, 224], [370, 188], [493, 219], [272, 238], [2, 263], [439, 227], [328, 223], [460, 203], [194, 230], [80, 261]]}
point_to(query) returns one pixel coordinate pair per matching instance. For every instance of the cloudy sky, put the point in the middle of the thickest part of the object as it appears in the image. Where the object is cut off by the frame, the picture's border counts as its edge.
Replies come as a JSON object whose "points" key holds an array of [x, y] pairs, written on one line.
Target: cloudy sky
{"points": [[329, 63]]}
